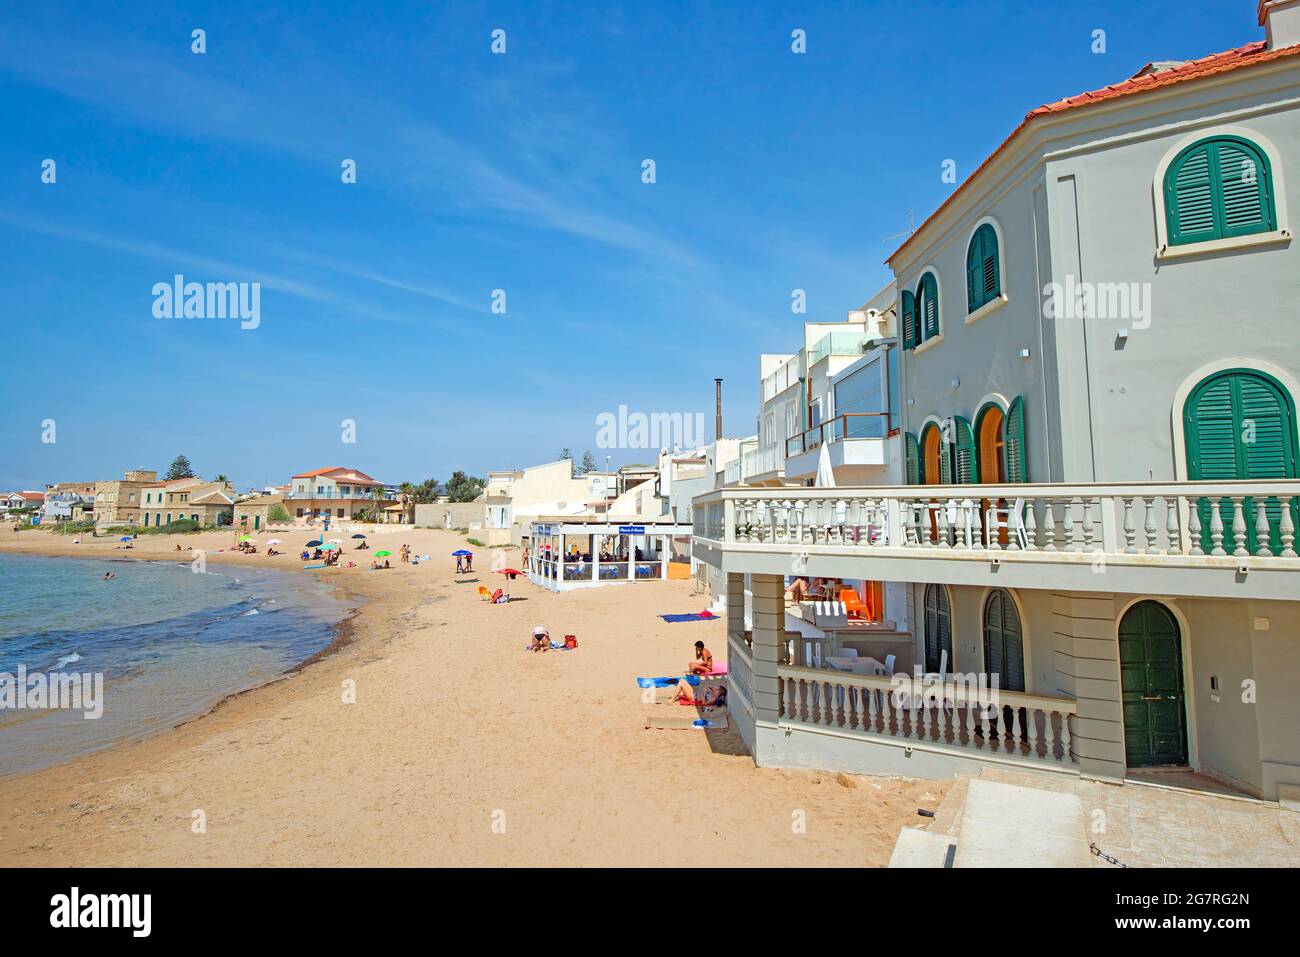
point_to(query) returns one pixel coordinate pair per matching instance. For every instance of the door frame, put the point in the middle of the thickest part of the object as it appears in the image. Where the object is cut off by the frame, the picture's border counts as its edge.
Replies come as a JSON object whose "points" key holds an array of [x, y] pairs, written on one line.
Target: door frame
{"points": [[1189, 685]]}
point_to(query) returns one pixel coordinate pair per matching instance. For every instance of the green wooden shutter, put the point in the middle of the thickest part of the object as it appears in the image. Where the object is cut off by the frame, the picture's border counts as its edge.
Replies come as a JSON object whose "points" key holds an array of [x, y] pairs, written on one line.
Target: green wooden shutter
{"points": [[983, 281], [913, 459], [1017, 460], [1240, 425], [1217, 189], [910, 337], [928, 303], [1189, 198], [974, 275], [1004, 651], [1244, 191], [968, 471], [938, 627]]}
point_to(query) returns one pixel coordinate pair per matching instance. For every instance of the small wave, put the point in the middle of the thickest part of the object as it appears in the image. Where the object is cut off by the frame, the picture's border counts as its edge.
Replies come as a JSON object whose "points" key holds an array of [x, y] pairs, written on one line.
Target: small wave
{"points": [[66, 660], [251, 611]]}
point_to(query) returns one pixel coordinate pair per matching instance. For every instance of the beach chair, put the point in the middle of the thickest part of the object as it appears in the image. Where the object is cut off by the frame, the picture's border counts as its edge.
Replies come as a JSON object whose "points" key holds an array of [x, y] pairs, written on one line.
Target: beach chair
{"points": [[853, 605], [1011, 519]]}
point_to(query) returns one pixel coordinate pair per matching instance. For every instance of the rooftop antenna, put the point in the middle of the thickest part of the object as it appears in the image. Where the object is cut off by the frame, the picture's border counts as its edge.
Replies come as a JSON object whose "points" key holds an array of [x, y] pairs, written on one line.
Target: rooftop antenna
{"points": [[911, 227]]}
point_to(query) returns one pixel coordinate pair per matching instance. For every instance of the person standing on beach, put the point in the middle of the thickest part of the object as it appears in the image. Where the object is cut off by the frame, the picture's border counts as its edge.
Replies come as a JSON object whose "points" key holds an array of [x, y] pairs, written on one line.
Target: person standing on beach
{"points": [[460, 564]]}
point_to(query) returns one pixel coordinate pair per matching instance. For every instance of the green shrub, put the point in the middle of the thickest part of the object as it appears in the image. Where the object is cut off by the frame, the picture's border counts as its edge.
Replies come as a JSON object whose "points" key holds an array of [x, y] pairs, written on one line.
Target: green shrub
{"points": [[475, 541]]}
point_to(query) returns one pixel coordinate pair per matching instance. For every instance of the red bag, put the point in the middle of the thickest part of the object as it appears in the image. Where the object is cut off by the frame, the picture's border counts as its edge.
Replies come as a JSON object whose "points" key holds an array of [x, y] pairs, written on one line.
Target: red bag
{"points": [[570, 641]]}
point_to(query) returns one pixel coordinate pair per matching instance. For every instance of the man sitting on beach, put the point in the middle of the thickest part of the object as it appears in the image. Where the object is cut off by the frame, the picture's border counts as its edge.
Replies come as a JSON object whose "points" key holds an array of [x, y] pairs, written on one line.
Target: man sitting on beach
{"points": [[703, 663]]}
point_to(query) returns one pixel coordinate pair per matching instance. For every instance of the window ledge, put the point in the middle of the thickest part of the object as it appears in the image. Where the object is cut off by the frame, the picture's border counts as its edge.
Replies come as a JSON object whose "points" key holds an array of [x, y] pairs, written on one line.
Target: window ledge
{"points": [[1274, 238], [993, 305], [932, 341]]}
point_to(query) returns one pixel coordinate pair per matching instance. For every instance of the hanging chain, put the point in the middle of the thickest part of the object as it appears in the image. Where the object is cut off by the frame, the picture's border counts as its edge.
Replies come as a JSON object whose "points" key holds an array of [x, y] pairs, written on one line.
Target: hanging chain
{"points": [[1104, 856]]}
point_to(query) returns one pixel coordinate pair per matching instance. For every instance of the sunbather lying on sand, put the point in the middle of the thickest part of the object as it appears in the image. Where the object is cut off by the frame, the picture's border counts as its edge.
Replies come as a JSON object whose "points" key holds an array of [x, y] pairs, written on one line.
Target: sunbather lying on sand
{"points": [[713, 697], [541, 639]]}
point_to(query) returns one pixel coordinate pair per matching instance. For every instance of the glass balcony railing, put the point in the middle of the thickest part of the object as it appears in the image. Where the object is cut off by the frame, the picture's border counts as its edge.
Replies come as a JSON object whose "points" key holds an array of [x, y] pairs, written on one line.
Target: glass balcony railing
{"points": [[838, 344]]}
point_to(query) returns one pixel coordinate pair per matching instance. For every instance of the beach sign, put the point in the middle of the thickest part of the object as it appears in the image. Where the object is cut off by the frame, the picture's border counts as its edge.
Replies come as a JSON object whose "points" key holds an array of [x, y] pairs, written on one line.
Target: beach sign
{"points": [[631, 529]]}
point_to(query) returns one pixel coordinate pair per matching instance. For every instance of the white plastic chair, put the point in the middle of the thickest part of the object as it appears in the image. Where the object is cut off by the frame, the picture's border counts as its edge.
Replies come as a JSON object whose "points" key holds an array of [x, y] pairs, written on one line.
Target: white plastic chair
{"points": [[1012, 519]]}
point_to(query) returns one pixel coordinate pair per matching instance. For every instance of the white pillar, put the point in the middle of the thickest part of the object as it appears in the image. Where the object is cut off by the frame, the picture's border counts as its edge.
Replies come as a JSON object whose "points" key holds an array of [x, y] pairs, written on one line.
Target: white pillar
{"points": [[559, 569], [595, 557], [663, 557], [631, 557], [769, 633]]}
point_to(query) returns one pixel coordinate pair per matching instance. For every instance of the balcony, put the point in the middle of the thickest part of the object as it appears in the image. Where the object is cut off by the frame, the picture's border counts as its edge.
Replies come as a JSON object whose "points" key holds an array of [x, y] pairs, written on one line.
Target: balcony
{"points": [[841, 343], [1232, 540], [855, 440]]}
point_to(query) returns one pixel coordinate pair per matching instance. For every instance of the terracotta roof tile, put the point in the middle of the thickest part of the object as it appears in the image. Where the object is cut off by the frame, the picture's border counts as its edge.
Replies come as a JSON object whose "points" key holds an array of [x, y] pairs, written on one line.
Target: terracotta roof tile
{"points": [[1217, 63]]}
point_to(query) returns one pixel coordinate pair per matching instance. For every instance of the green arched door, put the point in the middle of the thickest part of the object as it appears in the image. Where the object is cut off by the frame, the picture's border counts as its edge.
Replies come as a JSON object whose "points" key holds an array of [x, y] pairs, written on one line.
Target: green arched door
{"points": [[1151, 686], [1004, 645], [938, 628], [1240, 424]]}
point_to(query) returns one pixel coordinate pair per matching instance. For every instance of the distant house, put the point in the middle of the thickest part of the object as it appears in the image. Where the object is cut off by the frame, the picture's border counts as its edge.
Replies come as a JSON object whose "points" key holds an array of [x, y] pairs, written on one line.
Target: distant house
{"points": [[335, 492], [117, 502], [253, 514], [16, 503], [208, 503]]}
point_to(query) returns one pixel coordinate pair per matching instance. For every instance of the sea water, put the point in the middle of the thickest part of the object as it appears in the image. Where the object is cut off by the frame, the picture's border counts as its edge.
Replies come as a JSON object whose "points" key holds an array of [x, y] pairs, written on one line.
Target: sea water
{"points": [[169, 642]]}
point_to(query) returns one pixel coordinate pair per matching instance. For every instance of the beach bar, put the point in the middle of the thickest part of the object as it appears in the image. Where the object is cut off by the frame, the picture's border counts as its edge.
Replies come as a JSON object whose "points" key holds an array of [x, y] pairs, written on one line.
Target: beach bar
{"points": [[571, 552]]}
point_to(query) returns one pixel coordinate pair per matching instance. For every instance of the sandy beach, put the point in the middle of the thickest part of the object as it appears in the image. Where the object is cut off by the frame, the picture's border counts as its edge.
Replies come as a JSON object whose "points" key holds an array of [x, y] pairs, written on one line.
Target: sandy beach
{"points": [[460, 749]]}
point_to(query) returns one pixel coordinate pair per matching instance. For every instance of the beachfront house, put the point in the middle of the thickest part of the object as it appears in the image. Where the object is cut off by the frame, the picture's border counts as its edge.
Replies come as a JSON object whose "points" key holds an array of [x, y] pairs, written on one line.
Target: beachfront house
{"points": [[513, 498], [253, 513], [1100, 487], [20, 506], [117, 502], [335, 493], [188, 499]]}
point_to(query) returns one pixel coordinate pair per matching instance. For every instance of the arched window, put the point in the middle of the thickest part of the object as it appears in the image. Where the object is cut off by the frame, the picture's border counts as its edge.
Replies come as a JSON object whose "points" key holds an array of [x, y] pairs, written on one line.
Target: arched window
{"points": [[1218, 188], [927, 307], [938, 628], [983, 272], [1004, 643], [1240, 424], [991, 444], [936, 463]]}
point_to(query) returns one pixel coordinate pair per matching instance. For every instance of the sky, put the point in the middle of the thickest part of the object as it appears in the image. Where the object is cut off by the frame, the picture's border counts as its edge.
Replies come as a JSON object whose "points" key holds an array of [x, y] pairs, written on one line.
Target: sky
{"points": [[521, 171]]}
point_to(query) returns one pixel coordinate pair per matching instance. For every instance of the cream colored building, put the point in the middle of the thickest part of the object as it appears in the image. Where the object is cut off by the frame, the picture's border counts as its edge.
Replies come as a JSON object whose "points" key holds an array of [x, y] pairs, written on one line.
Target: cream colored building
{"points": [[513, 498], [208, 503]]}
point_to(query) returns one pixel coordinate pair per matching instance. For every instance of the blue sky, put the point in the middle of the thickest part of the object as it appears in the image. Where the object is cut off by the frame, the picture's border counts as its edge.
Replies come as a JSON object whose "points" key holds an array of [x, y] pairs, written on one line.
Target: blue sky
{"points": [[476, 172]]}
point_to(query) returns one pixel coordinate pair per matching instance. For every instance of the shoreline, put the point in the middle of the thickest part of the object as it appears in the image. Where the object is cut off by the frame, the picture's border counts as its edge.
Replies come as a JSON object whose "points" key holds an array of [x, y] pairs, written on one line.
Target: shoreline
{"points": [[456, 748], [342, 633]]}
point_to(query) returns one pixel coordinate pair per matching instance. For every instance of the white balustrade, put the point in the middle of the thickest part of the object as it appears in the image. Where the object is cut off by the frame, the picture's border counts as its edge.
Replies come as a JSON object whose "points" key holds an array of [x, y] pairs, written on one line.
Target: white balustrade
{"points": [[986, 721]]}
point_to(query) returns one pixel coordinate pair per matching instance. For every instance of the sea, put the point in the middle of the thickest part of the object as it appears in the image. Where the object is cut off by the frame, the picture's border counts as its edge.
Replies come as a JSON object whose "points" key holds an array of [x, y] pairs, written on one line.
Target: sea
{"points": [[164, 642]]}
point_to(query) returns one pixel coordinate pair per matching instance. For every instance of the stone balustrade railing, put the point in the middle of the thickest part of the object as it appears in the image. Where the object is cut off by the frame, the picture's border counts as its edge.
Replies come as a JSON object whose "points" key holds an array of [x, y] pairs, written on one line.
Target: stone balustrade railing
{"points": [[1241, 519], [987, 721]]}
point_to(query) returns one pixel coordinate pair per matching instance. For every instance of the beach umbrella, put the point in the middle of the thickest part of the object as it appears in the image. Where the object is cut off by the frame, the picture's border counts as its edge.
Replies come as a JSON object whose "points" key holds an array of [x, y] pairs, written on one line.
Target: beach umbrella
{"points": [[383, 552], [273, 541], [512, 572], [358, 535], [336, 541], [329, 547], [245, 538], [461, 553], [125, 538], [315, 543]]}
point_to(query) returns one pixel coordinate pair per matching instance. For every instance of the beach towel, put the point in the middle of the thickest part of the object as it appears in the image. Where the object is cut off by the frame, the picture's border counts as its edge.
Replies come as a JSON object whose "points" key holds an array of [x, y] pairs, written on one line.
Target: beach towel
{"points": [[693, 616], [667, 682], [315, 566], [684, 722]]}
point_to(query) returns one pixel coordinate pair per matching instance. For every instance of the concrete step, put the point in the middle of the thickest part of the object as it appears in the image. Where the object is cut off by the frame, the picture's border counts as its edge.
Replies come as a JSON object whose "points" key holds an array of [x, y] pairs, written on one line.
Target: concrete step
{"points": [[947, 816], [1012, 825], [918, 848]]}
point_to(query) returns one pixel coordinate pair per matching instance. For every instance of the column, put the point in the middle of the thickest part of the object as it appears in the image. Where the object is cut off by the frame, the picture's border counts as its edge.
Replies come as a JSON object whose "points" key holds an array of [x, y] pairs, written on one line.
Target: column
{"points": [[768, 633], [559, 568], [631, 556], [663, 556], [595, 557]]}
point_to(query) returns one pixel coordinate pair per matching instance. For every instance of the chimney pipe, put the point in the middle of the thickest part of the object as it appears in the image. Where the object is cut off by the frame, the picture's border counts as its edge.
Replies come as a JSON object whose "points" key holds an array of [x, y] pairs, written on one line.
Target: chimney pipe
{"points": [[717, 394]]}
